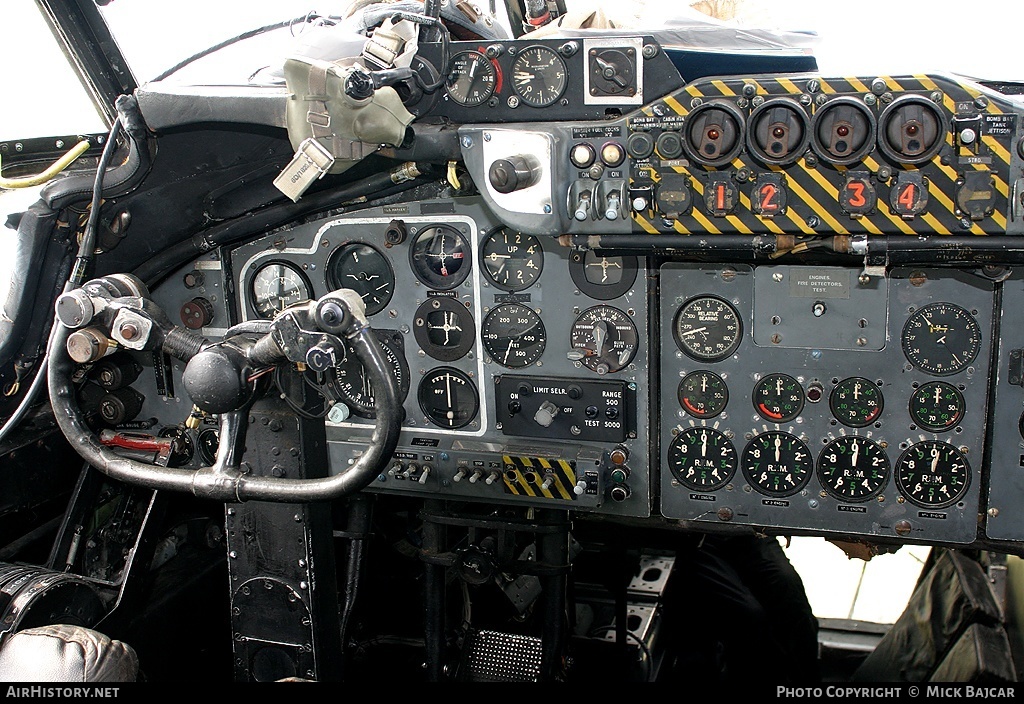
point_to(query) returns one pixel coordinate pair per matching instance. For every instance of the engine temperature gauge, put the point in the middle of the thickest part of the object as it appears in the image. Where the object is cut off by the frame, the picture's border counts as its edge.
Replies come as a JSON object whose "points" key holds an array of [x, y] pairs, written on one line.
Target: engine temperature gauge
{"points": [[778, 398], [703, 394], [937, 406], [603, 339], [856, 402]]}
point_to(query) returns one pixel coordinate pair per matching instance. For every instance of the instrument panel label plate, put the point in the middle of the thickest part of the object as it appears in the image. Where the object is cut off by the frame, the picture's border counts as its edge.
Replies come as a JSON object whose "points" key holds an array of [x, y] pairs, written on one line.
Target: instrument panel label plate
{"points": [[820, 283]]}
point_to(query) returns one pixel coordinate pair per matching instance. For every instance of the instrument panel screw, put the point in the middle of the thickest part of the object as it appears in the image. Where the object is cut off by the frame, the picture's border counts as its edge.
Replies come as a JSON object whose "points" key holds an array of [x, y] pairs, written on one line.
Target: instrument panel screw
{"points": [[993, 512], [696, 102], [936, 96], [981, 101], [878, 86], [757, 100], [467, 142], [820, 99], [777, 276], [870, 99], [862, 341], [487, 136], [813, 86], [805, 99], [749, 89], [886, 97], [649, 51]]}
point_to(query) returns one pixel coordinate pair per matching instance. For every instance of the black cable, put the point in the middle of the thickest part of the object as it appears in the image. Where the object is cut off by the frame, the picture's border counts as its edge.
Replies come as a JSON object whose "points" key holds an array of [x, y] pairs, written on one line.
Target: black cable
{"points": [[233, 40], [86, 251], [297, 408]]}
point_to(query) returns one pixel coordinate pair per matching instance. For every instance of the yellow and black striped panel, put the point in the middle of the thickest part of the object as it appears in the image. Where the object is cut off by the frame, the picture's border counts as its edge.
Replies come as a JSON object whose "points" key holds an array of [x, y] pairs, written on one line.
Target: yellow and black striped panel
{"points": [[813, 186], [524, 476]]}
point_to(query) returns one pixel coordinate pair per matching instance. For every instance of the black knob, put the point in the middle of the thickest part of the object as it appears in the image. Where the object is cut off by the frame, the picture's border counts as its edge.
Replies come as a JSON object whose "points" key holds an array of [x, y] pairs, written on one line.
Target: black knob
{"points": [[640, 145], [359, 85], [512, 174], [196, 314]]}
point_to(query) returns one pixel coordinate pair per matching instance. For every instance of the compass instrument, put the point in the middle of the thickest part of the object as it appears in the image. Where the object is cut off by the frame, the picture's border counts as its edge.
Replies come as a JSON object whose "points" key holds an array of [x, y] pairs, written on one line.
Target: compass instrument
{"points": [[941, 338], [707, 328]]}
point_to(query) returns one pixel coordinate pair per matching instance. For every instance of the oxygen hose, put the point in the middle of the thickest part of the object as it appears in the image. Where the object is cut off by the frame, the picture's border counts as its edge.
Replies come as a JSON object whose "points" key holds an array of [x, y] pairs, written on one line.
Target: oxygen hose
{"points": [[85, 254]]}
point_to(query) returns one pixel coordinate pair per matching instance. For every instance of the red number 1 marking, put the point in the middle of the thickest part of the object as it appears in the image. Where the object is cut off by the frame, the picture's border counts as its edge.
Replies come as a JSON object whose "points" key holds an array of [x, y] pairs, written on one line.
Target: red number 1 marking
{"points": [[720, 191]]}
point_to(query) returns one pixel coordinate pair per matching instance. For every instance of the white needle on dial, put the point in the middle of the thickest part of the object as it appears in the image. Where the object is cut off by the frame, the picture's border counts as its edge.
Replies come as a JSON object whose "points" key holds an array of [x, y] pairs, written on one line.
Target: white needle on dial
{"points": [[856, 452], [778, 445], [704, 444], [935, 458]]}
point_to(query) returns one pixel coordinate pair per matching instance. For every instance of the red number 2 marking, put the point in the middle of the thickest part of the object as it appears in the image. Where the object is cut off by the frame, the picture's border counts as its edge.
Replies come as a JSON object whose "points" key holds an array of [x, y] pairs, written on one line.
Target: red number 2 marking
{"points": [[768, 193]]}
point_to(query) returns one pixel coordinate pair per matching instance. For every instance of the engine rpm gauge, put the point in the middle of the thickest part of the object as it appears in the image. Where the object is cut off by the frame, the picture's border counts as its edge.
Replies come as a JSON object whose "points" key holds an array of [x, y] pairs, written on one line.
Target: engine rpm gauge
{"points": [[440, 257], [856, 402], [538, 76], [448, 398], [366, 271], [941, 338], [777, 463], [603, 339], [513, 335], [703, 394], [933, 474], [778, 398], [937, 406], [707, 328], [511, 260], [471, 78], [702, 459], [853, 468], [275, 286]]}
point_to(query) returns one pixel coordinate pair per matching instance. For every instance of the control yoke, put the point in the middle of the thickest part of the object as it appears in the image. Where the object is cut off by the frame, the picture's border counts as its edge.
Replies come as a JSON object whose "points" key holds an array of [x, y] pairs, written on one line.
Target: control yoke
{"points": [[222, 378]]}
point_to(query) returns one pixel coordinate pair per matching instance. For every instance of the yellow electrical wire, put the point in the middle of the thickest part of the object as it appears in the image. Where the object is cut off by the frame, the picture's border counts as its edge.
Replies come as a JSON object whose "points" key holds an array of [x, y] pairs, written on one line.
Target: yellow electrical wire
{"points": [[54, 169]]}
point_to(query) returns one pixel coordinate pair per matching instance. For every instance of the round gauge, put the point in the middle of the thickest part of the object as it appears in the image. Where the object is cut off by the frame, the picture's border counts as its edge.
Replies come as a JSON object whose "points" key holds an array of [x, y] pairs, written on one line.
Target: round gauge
{"points": [[351, 384], [207, 443], [366, 271], [448, 398], [275, 286], [444, 328], [512, 261], [941, 338], [471, 78], [703, 394], [853, 468], [856, 402], [513, 335], [538, 76], [702, 459], [603, 278], [777, 463], [778, 398], [933, 474], [707, 329], [603, 338], [937, 406], [182, 449], [440, 257]]}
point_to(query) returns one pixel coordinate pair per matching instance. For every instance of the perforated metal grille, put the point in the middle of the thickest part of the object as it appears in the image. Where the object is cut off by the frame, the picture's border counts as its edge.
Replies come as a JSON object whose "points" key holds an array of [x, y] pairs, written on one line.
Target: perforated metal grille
{"points": [[503, 657]]}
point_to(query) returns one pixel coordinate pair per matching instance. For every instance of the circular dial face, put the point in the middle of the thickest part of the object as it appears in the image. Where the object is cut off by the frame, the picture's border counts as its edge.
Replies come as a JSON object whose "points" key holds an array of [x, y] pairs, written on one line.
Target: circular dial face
{"points": [[352, 384], [856, 402], [937, 406], [778, 398], [941, 339], [703, 394], [471, 78], [275, 286], [538, 76], [440, 257], [777, 463], [512, 261], [366, 271], [603, 278], [207, 444], [702, 459], [513, 335], [182, 449], [444, 328], [603, 338], [707, 328], [448, 398], [933, 474], [852, 468]]}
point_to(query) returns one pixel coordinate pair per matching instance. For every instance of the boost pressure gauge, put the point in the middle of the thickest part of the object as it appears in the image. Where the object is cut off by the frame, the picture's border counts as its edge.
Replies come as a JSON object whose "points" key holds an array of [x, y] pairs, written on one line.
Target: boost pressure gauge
{"points": [[778, 398]]}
